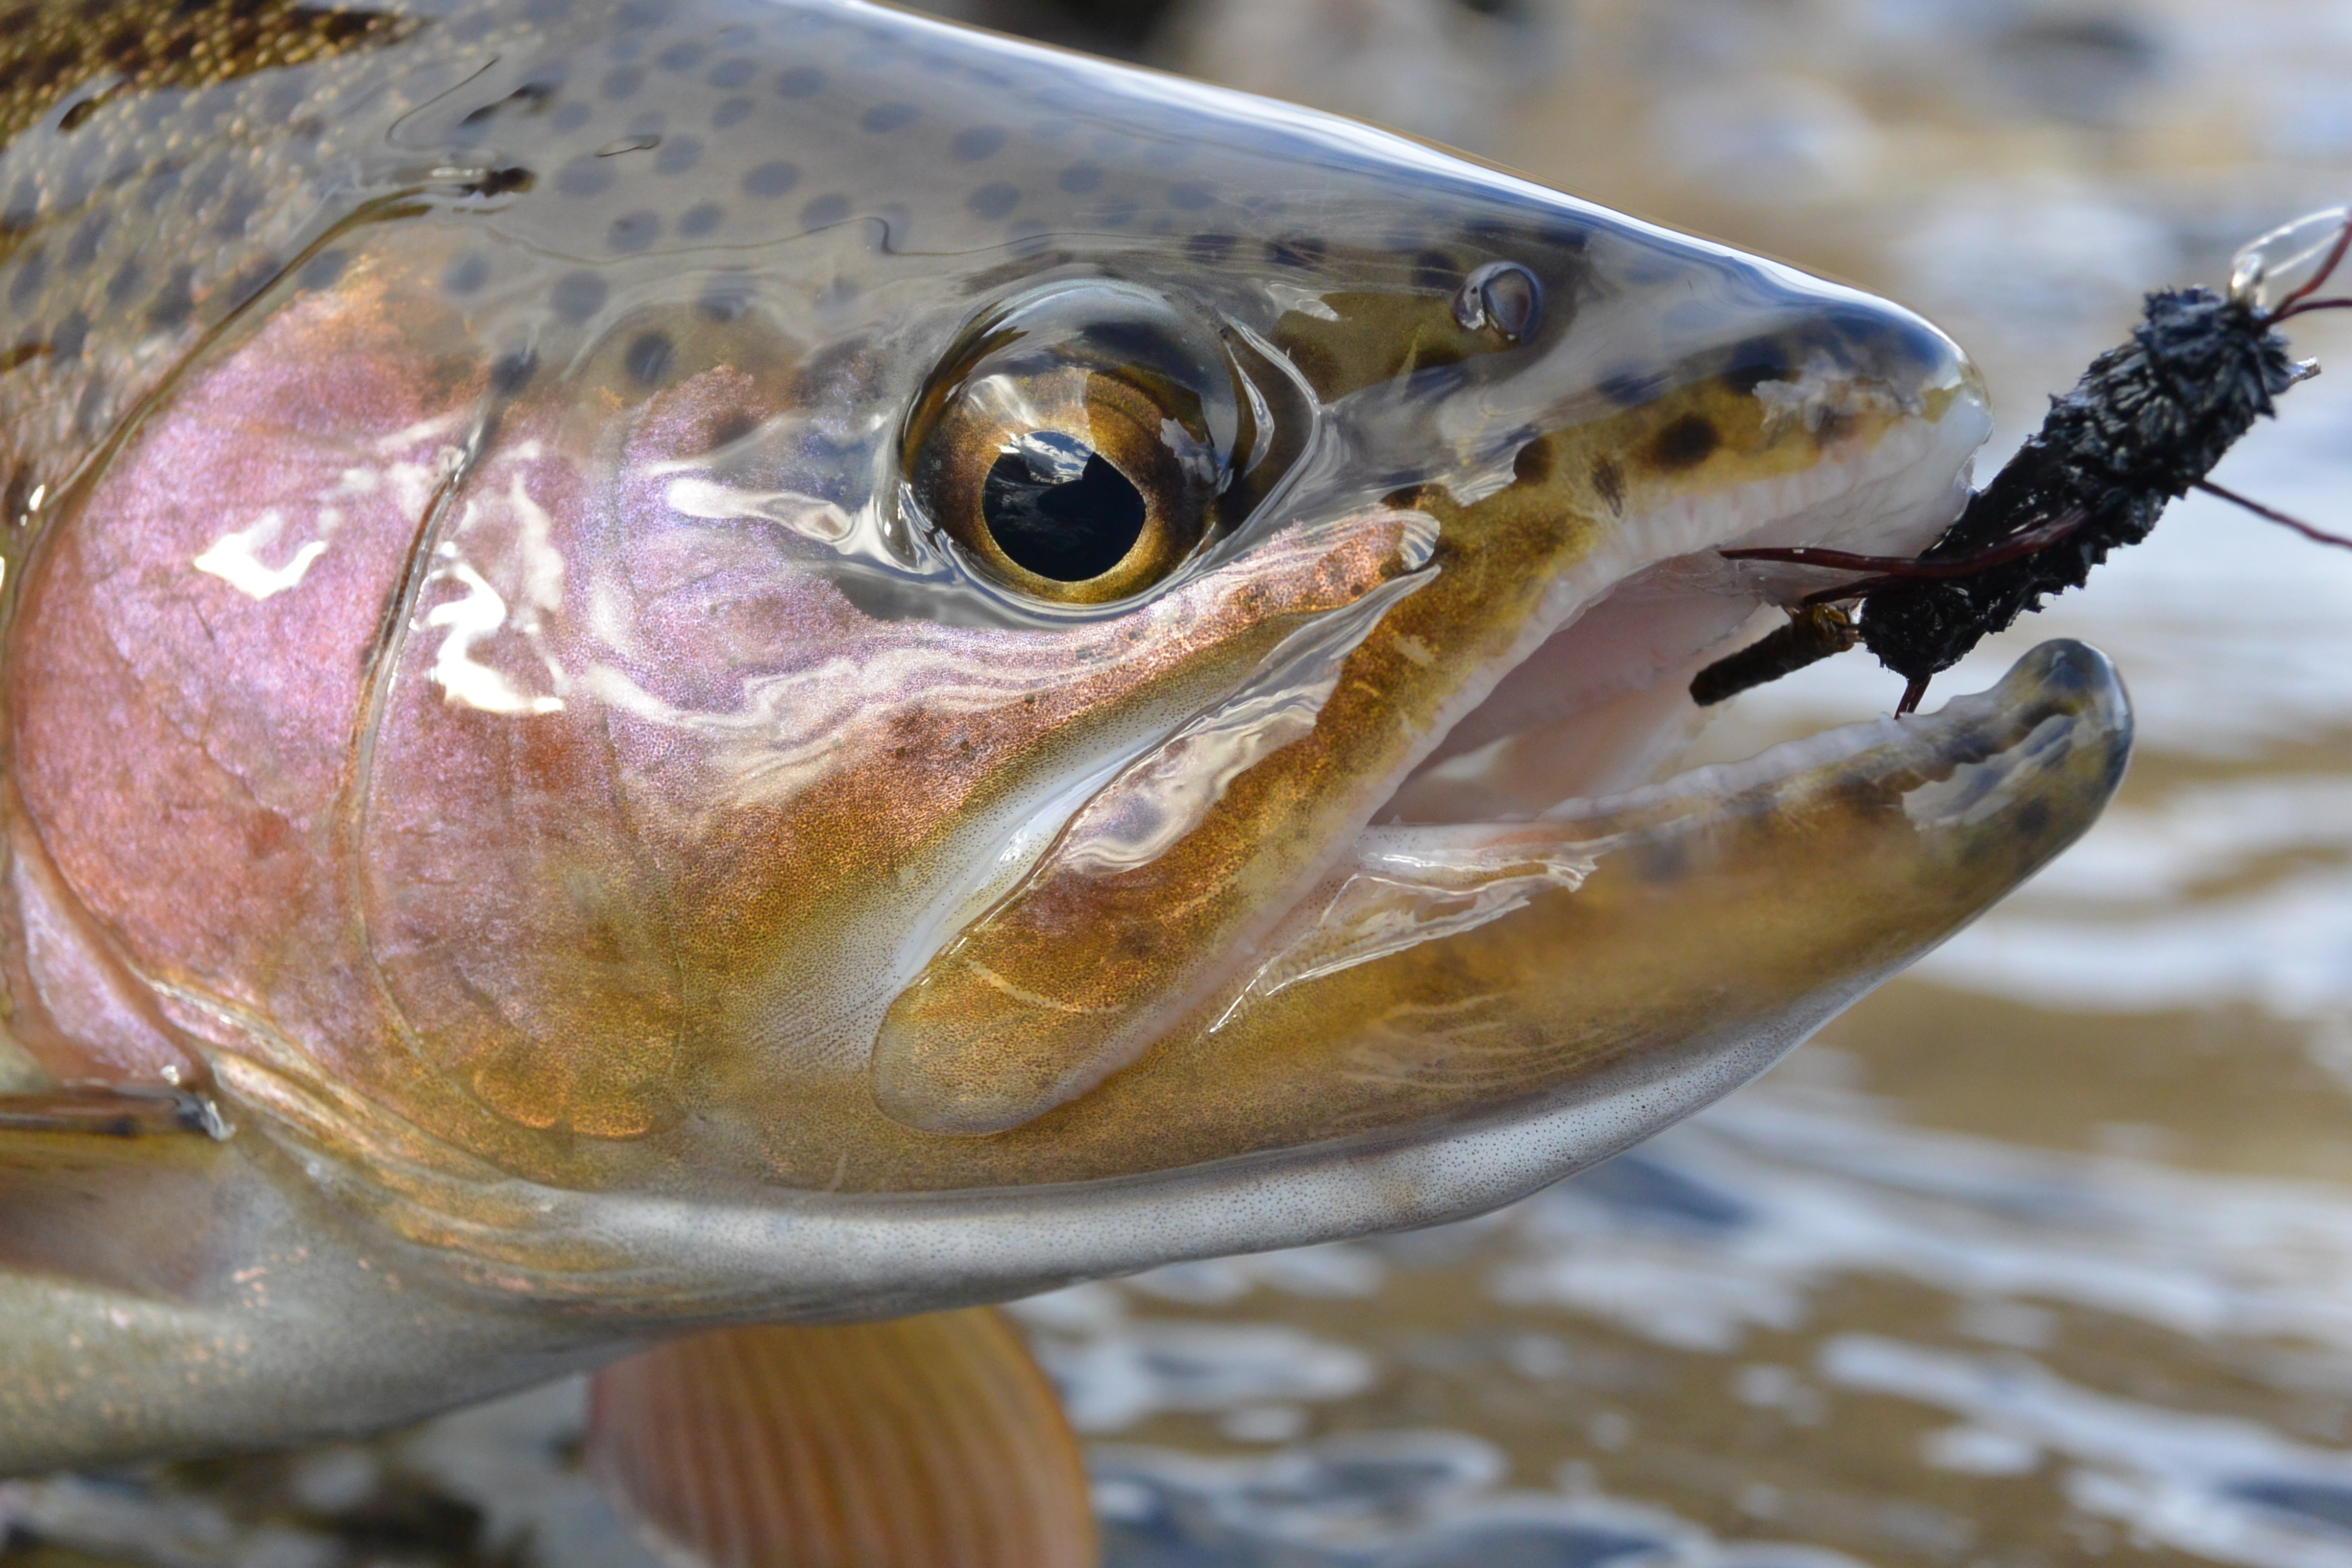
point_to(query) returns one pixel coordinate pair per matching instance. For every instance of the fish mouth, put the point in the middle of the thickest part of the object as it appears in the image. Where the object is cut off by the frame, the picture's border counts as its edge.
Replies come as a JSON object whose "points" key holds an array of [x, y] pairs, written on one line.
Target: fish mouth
{"points": [[1636, 957]]}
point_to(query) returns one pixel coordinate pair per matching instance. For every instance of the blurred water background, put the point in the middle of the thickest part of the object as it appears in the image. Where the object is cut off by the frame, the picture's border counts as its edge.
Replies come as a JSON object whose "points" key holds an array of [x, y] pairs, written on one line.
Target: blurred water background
{"points": [[2040, 1256]]}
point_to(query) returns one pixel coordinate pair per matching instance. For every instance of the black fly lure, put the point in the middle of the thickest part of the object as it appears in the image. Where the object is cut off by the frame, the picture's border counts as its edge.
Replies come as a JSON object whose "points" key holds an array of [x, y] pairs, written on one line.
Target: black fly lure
{"points": [[2145, 425]]}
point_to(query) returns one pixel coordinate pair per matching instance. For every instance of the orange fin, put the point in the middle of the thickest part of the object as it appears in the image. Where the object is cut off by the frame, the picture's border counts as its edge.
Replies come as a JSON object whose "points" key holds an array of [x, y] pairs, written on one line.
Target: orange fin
{"points": [[923, 1443]]}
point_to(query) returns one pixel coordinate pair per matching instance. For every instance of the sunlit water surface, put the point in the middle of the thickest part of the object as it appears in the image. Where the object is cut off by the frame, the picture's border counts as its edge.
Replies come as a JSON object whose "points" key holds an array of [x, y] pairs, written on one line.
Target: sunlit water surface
{"points": [[2044, 1252]]}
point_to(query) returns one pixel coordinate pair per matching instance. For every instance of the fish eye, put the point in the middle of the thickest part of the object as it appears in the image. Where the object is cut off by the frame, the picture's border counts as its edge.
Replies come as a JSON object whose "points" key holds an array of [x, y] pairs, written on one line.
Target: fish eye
{"points": [[1078, 445]]}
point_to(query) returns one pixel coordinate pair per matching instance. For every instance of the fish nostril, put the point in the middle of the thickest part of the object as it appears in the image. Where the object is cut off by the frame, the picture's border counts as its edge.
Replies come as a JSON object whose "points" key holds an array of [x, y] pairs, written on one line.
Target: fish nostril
{"points": [[1502, 296]]}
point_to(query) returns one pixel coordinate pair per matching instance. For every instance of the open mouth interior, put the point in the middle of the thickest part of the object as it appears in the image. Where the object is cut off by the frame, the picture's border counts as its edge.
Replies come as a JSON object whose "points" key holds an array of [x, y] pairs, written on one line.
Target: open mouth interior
{"points": [[1602, 704]]}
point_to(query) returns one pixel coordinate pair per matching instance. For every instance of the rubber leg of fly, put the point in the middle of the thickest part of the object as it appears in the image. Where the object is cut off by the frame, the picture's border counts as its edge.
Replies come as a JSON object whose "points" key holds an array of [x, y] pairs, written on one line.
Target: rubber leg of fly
{"points": [[2269, 515]]}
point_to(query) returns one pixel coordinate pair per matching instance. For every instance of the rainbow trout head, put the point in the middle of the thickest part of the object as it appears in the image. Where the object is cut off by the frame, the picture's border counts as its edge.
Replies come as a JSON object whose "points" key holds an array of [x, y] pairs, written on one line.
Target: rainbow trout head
{"points": [[729, 662]]}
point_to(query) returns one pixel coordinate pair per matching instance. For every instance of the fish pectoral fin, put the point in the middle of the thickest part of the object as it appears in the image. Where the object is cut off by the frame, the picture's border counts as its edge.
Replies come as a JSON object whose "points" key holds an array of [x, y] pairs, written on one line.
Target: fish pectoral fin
{"points": [[919, 1443]]}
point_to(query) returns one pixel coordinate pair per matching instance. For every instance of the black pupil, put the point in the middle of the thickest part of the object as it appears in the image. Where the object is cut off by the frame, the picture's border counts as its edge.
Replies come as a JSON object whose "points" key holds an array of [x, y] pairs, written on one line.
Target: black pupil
{"points": [[1058, 508]]}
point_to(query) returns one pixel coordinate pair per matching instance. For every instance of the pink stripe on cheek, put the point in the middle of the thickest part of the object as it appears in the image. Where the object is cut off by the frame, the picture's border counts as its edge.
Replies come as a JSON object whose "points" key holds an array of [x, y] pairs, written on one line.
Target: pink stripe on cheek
{"points": [[191, 660]]}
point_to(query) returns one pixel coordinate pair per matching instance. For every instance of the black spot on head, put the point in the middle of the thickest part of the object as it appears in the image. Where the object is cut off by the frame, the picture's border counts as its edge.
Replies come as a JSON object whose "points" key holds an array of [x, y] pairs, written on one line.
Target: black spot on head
{"points": [[884, 117], [642, 14], [622, 82], [123, 287], [1294, 250], [700, 219], [771, 179], [584, 177], [24, 206], [677, 155], [977, 141], [234, 213], [729, 75], [1533, 466], [994, 201], [649, 358], [570, 117], [82, 249], [1436, 271], [577, 296], [633, 232], [532, 96], [173, 303], [323, 271], [31, 273], [1685, 443], [503, 181], [801, 81], [1609, 482], [1209, 249], [682, 57], [466, 273], [1080, 178], [510, 372], [831, 207], [730, 111], [65, 342], [1190, 195]]}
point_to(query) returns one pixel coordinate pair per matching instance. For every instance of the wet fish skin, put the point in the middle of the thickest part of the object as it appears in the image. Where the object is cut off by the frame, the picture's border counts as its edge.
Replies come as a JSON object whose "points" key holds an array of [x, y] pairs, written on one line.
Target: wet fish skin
{"points": [[485, 708]]}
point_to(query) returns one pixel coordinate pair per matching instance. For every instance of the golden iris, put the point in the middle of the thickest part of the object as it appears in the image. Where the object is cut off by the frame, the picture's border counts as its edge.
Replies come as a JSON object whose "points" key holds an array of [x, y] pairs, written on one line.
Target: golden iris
{"points": [[1077, 446]]}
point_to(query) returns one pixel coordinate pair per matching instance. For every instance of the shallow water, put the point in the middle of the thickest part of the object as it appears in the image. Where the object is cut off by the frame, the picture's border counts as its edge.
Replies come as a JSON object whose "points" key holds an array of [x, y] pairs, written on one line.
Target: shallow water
{"points": [[2043, 1254]]}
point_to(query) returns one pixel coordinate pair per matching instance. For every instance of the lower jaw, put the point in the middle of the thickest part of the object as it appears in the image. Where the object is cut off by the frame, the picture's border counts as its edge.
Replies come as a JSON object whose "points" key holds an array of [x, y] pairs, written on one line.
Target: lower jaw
{"points": [[1420, 878]]}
